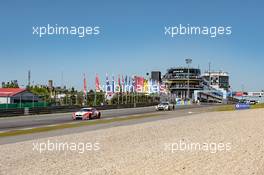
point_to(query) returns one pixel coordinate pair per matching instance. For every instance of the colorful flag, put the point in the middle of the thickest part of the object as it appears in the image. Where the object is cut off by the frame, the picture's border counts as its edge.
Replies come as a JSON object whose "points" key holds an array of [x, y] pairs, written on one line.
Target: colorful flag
{"points": [[146, 86], [119, 84], [84, 85], [108, 87], [134, 84], [113, 84], [139, 84], [97, 83], [126, 80], [126, 85], [123, 83]]}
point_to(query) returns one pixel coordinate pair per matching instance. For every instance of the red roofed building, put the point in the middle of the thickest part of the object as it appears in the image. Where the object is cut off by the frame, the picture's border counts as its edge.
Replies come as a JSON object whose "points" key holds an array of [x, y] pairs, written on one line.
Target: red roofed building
{"points": [[16, 95]]}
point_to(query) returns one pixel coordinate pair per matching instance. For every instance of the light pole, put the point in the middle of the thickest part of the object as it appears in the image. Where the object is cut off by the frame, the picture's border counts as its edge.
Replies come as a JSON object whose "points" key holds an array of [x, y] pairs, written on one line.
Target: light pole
{"points": [[188, 62]]}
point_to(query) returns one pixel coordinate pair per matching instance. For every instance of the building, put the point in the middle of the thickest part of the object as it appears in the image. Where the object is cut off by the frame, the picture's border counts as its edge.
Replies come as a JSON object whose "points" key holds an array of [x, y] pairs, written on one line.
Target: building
{"points": [[176, 80], [218, 80], [16, 95], [156, 76], [50, 84]]}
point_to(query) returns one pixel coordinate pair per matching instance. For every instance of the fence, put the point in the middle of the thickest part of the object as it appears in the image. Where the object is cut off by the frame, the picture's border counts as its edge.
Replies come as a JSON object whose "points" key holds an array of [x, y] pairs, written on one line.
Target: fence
{"points": [[23, 105], [7, 112]]}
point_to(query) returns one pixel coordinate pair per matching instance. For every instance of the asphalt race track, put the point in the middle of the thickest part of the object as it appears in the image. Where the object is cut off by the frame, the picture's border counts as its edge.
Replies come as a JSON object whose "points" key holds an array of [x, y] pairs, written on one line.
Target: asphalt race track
{"points": [[12, 123], [17, 123]]}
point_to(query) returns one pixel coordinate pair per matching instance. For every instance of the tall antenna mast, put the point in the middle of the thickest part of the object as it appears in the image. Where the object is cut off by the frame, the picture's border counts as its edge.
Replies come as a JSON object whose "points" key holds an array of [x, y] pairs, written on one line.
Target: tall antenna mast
{"points": [[29, 77]]}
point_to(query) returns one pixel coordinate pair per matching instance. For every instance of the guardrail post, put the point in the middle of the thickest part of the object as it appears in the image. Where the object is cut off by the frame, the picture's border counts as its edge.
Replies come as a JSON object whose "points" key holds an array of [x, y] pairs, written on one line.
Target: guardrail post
{"points": [[26, 111]]}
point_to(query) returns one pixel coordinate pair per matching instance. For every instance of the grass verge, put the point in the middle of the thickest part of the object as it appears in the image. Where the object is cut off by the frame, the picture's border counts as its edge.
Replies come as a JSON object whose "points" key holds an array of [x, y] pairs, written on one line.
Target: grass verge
{"points": [[73, 125]]}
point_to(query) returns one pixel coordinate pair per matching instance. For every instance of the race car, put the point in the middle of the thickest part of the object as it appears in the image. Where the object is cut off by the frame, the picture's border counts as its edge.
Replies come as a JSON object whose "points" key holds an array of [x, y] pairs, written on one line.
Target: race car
{"points": [[165, 106], [86, 114]]}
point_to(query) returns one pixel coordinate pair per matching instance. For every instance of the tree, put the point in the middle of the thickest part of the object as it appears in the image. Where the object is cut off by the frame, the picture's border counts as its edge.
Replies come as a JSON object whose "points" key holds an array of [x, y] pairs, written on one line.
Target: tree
{"points": [[40, 91], [12, 84], [100, 98]]}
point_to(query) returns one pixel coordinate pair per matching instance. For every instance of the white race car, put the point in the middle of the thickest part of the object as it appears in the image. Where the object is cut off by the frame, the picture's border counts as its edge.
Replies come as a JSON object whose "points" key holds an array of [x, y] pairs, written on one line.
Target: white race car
{"points": [[165, 106], [86, 114]]}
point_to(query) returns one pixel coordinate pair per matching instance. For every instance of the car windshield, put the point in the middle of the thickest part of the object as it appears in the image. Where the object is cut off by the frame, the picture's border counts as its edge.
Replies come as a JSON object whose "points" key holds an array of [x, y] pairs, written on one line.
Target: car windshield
{"points": [[164, 103], [86, 110]]}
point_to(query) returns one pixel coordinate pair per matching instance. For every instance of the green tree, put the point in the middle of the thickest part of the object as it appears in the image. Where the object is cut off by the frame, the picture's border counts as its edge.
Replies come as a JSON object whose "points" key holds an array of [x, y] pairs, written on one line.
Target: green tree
{"points": [[12, 84], [42, 92]]}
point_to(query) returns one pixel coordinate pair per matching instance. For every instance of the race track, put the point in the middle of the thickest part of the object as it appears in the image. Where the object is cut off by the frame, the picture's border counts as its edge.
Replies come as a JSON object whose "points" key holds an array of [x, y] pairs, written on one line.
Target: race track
{"points": [[11, 123]]}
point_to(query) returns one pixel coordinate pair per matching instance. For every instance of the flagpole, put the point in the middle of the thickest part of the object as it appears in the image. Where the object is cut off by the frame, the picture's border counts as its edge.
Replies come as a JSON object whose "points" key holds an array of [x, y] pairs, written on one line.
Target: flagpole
{"points": [[122, 90], [97, 87], [84, 90], [119, 89]]}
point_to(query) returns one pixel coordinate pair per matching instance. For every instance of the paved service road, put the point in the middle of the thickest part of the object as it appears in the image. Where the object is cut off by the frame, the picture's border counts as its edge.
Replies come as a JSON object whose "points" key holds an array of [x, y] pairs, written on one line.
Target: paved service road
{"points": [[11, 123]]}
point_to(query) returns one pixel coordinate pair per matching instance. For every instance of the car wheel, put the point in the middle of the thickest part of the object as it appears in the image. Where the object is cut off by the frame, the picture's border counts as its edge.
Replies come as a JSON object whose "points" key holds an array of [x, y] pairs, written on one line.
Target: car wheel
{"points": [[99, 115], [90, 117]]}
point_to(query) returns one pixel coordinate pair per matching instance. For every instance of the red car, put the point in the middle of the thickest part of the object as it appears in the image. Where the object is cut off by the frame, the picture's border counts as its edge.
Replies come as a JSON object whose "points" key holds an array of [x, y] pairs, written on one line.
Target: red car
{"points": [[86, 114]]}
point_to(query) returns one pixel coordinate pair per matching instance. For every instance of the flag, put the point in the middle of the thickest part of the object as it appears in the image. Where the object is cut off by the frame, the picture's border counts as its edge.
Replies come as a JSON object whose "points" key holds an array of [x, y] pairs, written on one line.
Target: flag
{"points": [[84, 85], [126, 84], [150, 85], [139, 84], [134, 84], [126, 80], [113, 84], [97, 83], [108, 87], [129, 84], [123, 83], [146, 86], [119, 84]]}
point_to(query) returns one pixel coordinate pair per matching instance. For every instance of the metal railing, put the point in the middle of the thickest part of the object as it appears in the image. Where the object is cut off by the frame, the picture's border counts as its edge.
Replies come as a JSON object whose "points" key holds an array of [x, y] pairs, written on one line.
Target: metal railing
{"points": [[64, 109]]}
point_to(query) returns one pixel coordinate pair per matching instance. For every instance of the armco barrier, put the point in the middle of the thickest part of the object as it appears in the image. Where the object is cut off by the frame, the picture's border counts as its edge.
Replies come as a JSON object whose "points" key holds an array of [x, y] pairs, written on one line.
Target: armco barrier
{"points": [[63, 109]]}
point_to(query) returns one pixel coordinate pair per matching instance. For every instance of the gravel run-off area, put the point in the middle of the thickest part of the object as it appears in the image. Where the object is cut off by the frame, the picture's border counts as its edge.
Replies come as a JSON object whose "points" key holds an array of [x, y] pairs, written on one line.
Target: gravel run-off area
{"points": [[228, 143]]}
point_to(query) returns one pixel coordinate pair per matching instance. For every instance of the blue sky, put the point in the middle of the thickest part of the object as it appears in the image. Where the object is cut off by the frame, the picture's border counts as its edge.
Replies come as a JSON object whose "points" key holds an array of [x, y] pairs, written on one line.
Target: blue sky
{"points": [[131, 41]]}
